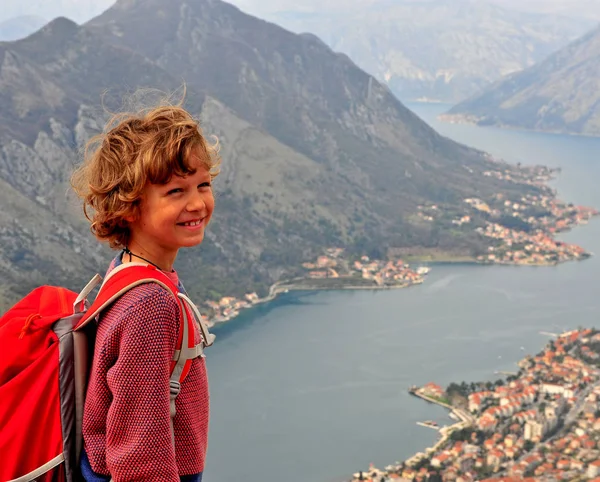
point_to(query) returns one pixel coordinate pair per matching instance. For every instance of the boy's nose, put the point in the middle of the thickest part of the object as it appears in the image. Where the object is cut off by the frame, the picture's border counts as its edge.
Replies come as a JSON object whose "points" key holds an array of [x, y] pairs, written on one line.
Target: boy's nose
{"points": [[196, 202]]}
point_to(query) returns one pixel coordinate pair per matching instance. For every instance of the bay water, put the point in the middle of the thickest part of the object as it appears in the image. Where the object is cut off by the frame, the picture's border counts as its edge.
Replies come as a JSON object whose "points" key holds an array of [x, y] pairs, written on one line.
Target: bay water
{"points": [[313, 386]]}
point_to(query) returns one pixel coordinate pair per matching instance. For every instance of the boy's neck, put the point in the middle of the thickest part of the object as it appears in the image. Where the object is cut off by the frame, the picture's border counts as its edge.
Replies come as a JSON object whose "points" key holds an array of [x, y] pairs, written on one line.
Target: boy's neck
{"points": [[135, 254]]}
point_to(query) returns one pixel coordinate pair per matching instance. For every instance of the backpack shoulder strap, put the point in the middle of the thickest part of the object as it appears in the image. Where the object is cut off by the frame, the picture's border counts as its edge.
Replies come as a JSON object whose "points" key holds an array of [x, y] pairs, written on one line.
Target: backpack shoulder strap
{"points": [[118, 282]]}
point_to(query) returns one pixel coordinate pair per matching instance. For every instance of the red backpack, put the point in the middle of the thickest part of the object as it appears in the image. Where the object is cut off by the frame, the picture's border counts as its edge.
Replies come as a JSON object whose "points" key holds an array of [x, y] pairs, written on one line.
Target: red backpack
{"points": [[47, 343]]}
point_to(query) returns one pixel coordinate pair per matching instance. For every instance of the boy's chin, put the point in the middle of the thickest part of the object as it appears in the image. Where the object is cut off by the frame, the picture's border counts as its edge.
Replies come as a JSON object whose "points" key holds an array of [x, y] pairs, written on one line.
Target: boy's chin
{"points": [[195, 241]]}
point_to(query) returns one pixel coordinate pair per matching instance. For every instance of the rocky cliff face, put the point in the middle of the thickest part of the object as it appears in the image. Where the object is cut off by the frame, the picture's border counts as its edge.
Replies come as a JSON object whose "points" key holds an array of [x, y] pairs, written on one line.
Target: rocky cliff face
{"points": [[560, 94]]}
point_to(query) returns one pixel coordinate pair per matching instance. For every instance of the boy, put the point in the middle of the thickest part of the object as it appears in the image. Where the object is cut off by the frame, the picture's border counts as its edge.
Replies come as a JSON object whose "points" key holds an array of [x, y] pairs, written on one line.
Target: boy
{"points": [[146, 189]]}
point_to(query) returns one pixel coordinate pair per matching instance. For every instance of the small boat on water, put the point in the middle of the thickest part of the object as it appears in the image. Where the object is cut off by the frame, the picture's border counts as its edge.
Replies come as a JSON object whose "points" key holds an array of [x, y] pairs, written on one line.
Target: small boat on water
{"points": [[429, 423]]}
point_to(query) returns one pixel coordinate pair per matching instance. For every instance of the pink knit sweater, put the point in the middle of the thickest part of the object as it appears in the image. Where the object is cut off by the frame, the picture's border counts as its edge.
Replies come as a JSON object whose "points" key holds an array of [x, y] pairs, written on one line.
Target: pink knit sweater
{"points": [[126, 427]]}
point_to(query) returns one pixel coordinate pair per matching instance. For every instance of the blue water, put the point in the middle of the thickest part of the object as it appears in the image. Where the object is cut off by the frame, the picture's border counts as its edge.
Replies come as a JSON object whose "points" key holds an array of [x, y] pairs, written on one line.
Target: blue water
{"points": [[312, 387]]}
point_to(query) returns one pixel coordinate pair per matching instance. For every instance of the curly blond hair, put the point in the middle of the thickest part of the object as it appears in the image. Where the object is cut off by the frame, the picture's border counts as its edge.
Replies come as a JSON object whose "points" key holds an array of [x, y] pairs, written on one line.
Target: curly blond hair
{"points": [[149, 146]]}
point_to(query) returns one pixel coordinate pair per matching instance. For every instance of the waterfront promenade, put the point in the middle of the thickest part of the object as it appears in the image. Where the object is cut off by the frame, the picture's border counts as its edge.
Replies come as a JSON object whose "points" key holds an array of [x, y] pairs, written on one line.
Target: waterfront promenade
{"points": [[465, 420]]}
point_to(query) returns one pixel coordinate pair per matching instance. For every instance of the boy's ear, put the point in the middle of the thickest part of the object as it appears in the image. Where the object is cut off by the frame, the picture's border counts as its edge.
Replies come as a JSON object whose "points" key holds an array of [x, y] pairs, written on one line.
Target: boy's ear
{"points": [[130, 218]]}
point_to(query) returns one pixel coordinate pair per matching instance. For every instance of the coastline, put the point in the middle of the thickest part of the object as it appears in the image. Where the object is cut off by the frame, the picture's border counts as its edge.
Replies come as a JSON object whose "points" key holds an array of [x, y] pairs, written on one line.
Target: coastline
{"points": [[464, 119], [464, 421], [281, 287], [432, 260], [312, 285]]}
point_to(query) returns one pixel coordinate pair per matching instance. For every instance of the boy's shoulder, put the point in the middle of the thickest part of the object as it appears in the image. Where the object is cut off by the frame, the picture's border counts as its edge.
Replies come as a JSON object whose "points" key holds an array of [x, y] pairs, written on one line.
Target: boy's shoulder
{"points": [[149, 305], [148, 301]]}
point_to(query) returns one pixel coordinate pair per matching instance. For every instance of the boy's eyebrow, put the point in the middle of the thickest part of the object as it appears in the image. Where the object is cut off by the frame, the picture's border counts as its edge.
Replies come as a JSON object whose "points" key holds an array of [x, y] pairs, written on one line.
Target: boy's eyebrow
{"points": [[206, 175], [176, 179]]}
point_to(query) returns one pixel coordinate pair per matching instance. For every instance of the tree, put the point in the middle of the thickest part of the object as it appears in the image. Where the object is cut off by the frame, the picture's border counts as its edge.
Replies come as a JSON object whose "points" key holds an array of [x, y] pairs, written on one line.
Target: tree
{"points": [[456, 389], [529, 445], [435, 477]]}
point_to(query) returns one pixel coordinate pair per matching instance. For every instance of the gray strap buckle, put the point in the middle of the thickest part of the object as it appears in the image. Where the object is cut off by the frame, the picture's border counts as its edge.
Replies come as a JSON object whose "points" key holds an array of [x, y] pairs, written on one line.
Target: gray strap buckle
{"points": [[208, 338]]}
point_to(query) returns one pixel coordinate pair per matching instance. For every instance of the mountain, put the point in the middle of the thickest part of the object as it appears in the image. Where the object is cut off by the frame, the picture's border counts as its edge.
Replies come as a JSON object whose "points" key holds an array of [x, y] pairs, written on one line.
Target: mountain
{"points": [[19, 27], [45, 115], [560, 94], [439, 50], [316, 152], [588, 9]]}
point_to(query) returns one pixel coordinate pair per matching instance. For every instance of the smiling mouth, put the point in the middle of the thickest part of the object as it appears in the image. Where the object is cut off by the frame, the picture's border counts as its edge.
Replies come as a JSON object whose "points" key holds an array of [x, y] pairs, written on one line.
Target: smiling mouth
{"points": [[197, 222]]}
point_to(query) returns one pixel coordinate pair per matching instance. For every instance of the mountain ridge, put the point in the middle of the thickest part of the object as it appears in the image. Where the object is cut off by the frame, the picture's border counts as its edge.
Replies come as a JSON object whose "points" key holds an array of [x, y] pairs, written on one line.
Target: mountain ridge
{"points": [[560, 94]]}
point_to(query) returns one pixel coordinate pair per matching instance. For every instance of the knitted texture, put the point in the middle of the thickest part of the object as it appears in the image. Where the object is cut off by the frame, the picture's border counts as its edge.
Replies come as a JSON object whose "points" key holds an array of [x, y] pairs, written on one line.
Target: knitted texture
{"points": [[126, 426]]}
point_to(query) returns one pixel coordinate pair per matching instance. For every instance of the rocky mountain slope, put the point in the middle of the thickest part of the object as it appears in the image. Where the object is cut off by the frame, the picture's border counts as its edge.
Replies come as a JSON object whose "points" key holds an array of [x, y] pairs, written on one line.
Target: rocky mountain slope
{"points": [[316, 152], [438, 50], [560, 94]]}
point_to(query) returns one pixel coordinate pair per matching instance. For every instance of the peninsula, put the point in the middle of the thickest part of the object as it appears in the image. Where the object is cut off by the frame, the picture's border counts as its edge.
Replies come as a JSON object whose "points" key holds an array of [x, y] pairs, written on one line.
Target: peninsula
{"points": [[539, 424], [329, 271]]}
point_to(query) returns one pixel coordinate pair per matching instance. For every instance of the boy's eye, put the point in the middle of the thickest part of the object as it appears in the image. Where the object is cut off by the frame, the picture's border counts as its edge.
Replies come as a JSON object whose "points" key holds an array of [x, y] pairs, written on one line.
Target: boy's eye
{"points": [[204, 184], [174, 191]]}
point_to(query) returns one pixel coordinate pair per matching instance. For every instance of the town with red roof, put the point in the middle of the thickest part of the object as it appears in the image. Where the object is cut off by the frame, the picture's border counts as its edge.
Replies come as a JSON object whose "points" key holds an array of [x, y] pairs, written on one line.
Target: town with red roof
{"points": [[540, 424]]}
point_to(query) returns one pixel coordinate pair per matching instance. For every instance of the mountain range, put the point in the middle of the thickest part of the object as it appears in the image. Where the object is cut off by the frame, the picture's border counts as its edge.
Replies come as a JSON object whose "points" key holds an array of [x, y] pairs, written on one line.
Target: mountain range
{"points": [[436, 50], [560, 94], [588, 9], [316, 152]]}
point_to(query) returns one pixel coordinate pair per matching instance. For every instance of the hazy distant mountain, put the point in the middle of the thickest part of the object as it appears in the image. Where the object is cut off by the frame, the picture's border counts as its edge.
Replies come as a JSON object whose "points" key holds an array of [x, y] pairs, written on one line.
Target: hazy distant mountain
{"points": [[560, 94], [589, 9], [19, 27], [439, 50], [316, 152]]}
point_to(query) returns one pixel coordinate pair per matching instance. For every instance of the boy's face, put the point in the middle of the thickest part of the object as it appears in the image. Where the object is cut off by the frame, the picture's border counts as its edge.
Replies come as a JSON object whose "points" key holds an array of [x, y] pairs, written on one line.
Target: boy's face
{"points": [[174, 215]]}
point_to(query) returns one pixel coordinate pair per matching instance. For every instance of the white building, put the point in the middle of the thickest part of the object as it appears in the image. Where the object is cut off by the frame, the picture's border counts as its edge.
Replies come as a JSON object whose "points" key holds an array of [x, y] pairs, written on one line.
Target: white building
{"points": [[554, 389], [534, 430], [593, 469]]}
